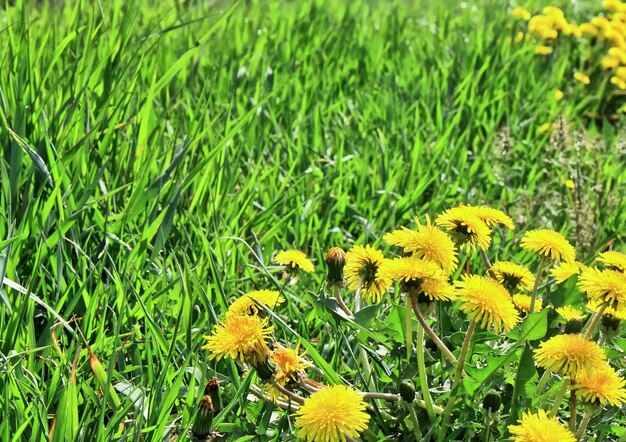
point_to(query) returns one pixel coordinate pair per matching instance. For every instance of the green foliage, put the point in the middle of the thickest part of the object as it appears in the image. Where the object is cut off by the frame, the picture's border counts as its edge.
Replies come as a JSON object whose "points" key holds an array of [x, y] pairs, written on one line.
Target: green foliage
{"points": [[154, 155]]}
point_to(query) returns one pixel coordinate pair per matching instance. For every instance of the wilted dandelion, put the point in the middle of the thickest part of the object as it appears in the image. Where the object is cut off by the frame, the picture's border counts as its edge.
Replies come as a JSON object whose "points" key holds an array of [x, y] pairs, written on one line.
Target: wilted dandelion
{"points": [[289, 364], [549, 244], [330, 413], [513, 276], [241, 338], [539, 427], [487, 302], [362, 264], [294, 260], [569, 354], [601, 386]]}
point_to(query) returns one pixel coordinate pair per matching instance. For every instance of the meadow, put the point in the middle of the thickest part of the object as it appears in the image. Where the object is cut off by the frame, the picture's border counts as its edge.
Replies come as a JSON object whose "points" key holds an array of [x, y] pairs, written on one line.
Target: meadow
{"points": [[156, 157]]}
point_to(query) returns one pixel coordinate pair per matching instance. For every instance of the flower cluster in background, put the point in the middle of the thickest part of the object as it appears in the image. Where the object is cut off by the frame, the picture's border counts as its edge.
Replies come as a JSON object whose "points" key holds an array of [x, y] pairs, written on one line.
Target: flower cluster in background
{"points": [[596, 44], [429, 270]]}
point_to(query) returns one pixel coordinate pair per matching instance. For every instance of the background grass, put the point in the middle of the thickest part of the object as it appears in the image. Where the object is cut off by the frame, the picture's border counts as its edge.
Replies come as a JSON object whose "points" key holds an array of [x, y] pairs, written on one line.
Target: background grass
{"points": [[155, 156]]}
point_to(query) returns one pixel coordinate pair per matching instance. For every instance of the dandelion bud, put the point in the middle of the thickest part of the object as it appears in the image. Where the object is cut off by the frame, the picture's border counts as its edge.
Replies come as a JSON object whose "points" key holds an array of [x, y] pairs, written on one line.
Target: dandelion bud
{"points": [[492, 401], [265, 370], [213, 390], [335, 261], [204, 419], [407, 390]]}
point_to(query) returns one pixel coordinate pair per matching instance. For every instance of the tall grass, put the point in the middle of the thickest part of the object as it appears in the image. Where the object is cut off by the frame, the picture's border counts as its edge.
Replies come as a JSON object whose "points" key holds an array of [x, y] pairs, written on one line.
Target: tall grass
{"points": [[156, 154]]}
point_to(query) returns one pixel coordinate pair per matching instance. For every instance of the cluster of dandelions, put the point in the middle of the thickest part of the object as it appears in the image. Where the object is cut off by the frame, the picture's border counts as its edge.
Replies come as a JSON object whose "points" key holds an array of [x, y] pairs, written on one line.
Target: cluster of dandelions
{"points": [[428, 272], [600, 41]]}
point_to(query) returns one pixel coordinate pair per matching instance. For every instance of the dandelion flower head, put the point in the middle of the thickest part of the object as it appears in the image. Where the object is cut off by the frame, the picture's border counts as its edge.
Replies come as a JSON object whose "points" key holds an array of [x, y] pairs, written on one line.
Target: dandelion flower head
{"points": [[549, 244], [466, 227], [294, 260], [613, 260], [241, 338], [427, 242], [566, 270], [362, 264], [487, 302], [601, 386], [289, 364], [330, 413], [513, 276], [246, 304], [569, 354], [522, 302], [539, 427], [417, 276], [569, 313], [604, 286]]}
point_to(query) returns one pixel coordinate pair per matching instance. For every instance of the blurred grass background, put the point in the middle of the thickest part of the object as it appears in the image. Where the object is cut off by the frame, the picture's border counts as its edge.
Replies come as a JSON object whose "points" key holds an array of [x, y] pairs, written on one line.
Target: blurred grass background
{"points": [[156, 154]]}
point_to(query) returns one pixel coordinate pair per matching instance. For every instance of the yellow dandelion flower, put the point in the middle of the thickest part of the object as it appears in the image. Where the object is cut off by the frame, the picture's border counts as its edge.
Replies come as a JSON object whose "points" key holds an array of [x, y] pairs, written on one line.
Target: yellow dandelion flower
{"points": [[549, 244], [288, 363], [519, 12], [601, 386], [294, 260], [582, 78], [553, 11], [616, 313], [613, 260], [569, 354], [487, 302], [618, 53], [604, 286], [417, 276], [600, 22], [609, 62], [540, 427], [241, 338], [362, 264], [549, 34], [543, 50], [426, 242], [570, 184], [569, 313], [466, 227], [613, 5], [618, 82], [330, 413], [246, 304], [491, 216], [519, 37], [522, 302], [558, 95], [571, 29], [621, 72], [566, 270], [588, 29], [513, 276], [546, 127]]}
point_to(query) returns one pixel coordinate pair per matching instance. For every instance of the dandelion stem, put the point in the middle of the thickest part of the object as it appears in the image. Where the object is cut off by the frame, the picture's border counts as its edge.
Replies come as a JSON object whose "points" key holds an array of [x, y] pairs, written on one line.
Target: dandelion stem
{"points": [[290, 394], [540, 268], [545, 377], [593, 322], [572, 408], [342, 305], [421, 370], [458, 375], [376, 395], [583, 424], [416, 424], [487, 263], [438, 342], [559, 398], [280, 402]]}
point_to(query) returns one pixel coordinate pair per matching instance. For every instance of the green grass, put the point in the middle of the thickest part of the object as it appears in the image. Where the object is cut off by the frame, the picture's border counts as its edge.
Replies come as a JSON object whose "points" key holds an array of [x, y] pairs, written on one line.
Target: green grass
{"points": [[154, 157]]}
